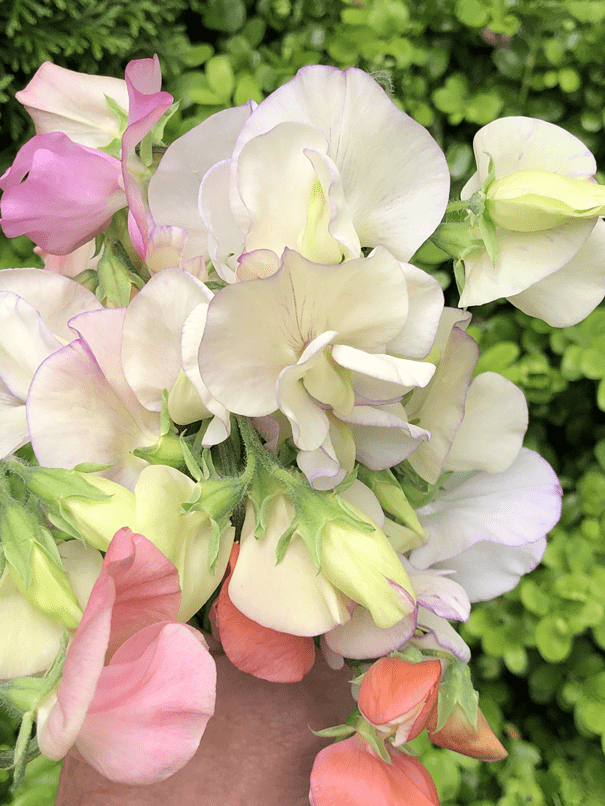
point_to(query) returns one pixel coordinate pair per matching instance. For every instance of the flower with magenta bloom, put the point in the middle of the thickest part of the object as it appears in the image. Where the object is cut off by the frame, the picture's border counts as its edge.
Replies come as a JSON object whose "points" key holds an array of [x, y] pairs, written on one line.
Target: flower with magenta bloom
{"points": [[60, 194]]}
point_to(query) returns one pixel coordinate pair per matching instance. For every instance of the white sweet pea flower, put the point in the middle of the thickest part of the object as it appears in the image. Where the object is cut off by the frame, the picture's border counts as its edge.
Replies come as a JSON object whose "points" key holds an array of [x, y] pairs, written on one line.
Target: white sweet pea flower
{"points": [[356, 172], [80, 407], [313, 341], [544, 204], [35, 307], [171, 333]]}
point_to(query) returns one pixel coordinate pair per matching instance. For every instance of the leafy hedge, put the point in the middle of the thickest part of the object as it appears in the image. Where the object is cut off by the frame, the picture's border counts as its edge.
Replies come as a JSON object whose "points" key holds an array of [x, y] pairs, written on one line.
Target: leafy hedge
{"points": [[454, 65]]}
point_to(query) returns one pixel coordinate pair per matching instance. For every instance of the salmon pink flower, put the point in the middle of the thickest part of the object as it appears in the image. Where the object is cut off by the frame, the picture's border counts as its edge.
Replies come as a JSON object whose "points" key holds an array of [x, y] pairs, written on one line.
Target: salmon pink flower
{"points": [[397, 695], [137, 689], [349, 773]]}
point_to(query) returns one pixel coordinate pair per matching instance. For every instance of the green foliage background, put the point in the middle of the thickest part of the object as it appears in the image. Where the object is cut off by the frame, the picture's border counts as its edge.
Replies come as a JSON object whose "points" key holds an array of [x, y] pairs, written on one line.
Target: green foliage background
{"points": [[454, 65]]}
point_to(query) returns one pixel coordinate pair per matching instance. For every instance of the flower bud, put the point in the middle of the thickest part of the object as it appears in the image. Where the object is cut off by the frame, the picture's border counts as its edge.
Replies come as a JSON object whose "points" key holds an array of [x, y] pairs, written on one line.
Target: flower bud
{"points": [[37, 575], [458, 734], [529, 201], [397, 695]]}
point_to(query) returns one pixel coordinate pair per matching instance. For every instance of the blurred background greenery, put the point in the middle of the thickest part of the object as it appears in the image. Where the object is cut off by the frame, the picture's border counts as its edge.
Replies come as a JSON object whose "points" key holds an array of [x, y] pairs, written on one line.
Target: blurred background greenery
{"points": [[453, 65]]}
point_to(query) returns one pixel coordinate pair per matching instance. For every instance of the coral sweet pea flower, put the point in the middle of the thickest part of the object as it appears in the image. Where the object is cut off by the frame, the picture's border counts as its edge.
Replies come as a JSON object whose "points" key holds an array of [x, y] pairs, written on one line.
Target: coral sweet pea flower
{"points": [[396, 694], [348, 773], [137, 689]]}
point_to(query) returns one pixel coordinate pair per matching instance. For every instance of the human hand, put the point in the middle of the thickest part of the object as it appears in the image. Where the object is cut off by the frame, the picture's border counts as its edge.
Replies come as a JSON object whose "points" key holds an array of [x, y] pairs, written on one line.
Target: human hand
{"points": [[257, 749]]}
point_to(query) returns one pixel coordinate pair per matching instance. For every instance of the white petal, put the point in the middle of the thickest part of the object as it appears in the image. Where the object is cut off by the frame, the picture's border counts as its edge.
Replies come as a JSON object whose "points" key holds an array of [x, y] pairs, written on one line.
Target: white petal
{"points": [[360, 637], [225, 238], [440, 406], [425, 309], [567, 296], [25, 342], [174, 188], [491, 435], [525, 258], [521, 144], [56, 298], [514, 508], [401, 371], [152, 326], [290, 596], [487, 569], [441, 635], [383, 437], [394, 175]]}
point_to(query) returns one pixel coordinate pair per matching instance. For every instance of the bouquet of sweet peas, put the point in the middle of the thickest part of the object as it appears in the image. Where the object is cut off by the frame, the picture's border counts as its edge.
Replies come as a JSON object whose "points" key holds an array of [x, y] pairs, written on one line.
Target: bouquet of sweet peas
{"points": [[229, 401]]}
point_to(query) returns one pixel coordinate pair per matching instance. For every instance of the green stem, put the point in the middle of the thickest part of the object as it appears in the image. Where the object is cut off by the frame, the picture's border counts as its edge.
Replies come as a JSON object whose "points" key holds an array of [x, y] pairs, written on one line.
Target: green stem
{"points": [[254, 447]]}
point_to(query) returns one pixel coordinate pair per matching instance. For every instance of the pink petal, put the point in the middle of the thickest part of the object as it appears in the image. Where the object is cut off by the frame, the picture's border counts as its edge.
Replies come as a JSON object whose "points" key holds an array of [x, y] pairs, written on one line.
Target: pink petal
{"points": [[349, 774], [146, 582], [151, 706], [59, 194], [146, 106]]}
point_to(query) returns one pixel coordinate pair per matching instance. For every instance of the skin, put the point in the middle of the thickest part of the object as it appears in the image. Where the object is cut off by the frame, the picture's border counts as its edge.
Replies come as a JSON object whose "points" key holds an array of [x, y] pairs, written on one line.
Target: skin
{"points": [[256, 751]]}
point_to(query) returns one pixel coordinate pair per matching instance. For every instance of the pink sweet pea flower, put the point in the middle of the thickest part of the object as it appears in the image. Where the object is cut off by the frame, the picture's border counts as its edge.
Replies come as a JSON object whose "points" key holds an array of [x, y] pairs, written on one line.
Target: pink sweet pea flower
{"points": [[137, 689], [396, 694], [146, 106], [251, 647], [349, 773], [60, 194]]}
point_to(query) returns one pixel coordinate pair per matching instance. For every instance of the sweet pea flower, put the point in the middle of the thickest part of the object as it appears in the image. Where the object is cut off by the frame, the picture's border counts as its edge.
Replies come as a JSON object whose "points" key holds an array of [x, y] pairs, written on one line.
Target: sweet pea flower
{"points": [[72, 263], [80, 407], [137, 689], [255, 649], [349, 773], [544, 204], [61, 100], [30, 639], [35, 307], [311, 138], [397, 696], [173, 334], [356, 565], [59, 193], [324, 344]]}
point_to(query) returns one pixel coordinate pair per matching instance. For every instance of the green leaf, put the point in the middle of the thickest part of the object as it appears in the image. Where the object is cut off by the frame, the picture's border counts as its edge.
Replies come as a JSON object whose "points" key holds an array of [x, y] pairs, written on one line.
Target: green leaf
{"points": [[553, 639], [472, 13], [220, 77]]}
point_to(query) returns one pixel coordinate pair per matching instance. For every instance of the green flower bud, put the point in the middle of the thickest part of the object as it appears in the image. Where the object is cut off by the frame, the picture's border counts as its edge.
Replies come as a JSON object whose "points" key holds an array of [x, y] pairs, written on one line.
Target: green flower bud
{"points": [[530, 201]]}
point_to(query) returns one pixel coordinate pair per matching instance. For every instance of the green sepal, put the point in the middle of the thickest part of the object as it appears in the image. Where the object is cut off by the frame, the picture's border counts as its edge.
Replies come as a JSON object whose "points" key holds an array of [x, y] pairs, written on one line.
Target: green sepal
{"points": [[487, 229], [456, 688], [52, 484], [459, 276], [369, 734], [284, 542], [115, 284], [337, 732], [190, 463], [91, 467], [166, 451], [121, 115], [89, 279], [19, 532], [215, 544]]}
